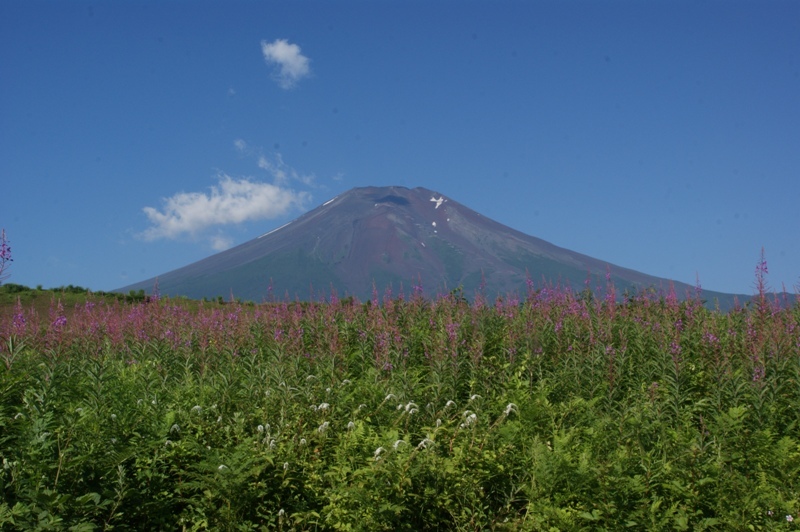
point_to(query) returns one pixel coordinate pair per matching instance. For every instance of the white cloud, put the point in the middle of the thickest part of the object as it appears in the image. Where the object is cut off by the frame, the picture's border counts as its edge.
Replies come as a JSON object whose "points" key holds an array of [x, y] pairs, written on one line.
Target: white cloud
{"points": [[292, 65], [221, 242], [233, 201], [282, 172], [275, 166]]}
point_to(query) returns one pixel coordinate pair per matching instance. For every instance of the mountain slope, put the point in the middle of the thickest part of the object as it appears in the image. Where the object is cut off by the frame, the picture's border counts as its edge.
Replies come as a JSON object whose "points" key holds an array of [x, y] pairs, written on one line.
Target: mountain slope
{"points": [[394, 236]]}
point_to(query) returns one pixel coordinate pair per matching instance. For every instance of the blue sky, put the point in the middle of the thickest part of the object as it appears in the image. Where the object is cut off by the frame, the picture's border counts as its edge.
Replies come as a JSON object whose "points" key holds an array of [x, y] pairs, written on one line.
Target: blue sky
{"points": [[138, 137]]}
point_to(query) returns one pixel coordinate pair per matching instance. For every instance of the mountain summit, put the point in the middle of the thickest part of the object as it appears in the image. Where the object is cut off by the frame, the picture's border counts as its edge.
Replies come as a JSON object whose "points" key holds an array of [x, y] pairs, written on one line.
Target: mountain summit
{"points": [[390, 236]]}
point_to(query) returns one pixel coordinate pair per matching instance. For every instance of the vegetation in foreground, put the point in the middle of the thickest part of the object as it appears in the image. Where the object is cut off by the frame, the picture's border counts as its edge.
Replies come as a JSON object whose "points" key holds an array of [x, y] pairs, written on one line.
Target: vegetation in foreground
{"points": [[558, 411]]}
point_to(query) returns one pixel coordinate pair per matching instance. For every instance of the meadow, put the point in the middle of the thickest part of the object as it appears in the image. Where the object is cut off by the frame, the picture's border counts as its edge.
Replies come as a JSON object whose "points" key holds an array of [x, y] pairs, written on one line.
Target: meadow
{"points": [[552, 410]]}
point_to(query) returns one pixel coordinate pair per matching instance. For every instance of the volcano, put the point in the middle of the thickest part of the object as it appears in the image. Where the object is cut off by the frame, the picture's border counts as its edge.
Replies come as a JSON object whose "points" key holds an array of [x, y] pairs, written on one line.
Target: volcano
{"points": [[374, 238]]}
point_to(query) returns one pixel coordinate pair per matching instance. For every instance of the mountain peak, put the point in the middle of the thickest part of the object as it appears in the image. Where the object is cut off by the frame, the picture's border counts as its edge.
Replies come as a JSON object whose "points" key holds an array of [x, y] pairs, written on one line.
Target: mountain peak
{"points": [[390, 236]]}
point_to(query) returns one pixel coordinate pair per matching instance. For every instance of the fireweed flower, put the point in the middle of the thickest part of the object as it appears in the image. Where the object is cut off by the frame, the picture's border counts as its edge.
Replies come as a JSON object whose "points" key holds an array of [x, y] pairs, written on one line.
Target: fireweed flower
{"points": [[19, 322], [5, 255], [675, 349]]}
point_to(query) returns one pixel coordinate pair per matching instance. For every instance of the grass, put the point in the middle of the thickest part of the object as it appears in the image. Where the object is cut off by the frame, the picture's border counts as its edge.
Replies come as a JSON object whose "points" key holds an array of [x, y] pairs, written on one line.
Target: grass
{"points": [[553, 411]]}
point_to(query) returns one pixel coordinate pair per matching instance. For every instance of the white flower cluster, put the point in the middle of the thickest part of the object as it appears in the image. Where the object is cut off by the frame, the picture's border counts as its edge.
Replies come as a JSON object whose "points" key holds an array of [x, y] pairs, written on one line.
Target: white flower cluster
{"points": [[425, 443], [470, 418], [408, 408]]}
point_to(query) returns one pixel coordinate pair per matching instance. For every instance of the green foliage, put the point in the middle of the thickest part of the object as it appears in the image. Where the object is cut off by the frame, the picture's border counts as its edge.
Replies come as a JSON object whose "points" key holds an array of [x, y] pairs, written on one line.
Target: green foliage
{"points": [[561, 412]]}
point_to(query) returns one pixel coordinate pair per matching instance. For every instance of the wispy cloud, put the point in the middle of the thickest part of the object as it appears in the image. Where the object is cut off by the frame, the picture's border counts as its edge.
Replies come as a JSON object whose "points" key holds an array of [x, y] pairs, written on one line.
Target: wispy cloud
{"points": [[221, 242], [291, 65], [282, 172], [275, 166], [232, 201], [240, 145]]}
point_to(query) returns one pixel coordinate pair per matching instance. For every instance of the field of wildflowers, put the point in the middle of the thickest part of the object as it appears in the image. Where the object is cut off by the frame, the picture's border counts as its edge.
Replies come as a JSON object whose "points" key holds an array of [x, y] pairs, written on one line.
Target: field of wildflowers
{"points": [[555, 410]]}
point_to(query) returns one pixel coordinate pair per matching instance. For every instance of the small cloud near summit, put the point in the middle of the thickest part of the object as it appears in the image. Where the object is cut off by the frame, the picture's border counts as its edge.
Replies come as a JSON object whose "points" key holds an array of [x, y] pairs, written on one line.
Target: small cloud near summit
{"points": [[231, 201], [221, 242], [291, 65]]}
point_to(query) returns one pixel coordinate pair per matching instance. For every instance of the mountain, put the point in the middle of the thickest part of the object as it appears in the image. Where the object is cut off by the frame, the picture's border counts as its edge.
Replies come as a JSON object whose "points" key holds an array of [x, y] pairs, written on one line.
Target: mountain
{"points": [[394, 236]]}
